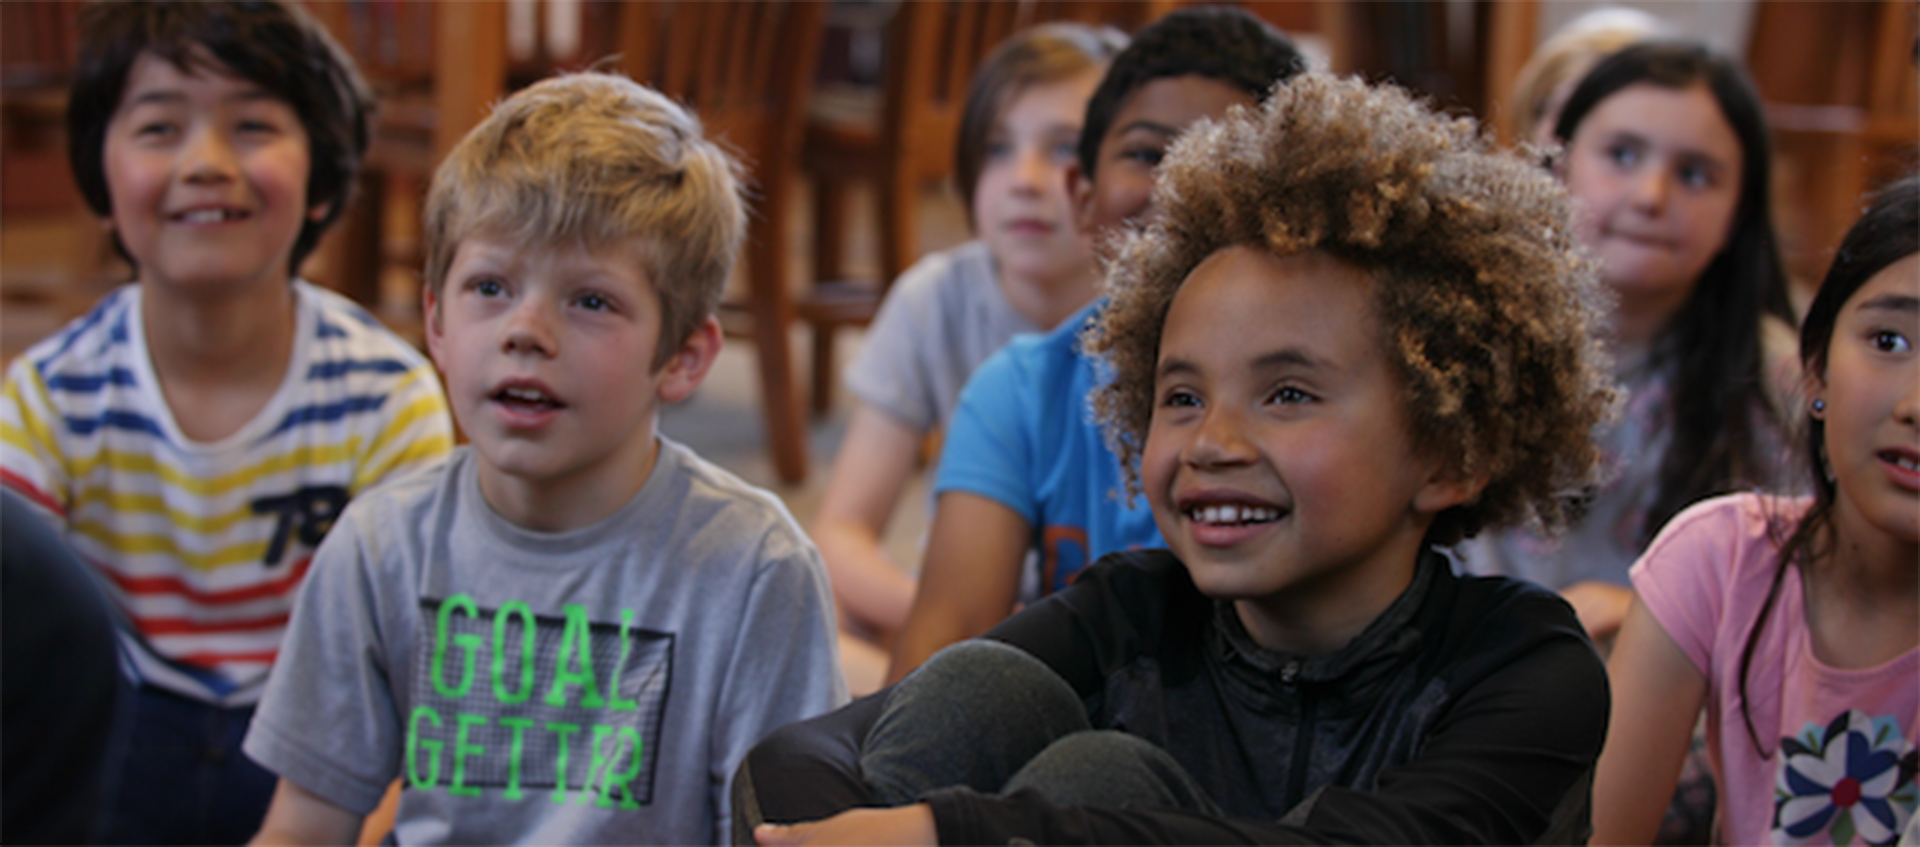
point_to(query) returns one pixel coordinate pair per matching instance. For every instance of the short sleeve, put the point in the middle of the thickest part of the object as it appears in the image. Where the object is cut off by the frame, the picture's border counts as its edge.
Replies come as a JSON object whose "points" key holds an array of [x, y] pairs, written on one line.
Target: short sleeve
{"points": [[327, 721], [414, 431], [889, 373], [989, 445], [785, 665], [1682, 577], [30, 454]]}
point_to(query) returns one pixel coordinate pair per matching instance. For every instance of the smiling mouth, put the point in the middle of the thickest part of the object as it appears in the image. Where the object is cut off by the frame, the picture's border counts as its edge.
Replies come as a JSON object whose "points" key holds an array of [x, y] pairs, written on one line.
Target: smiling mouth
{"points": [[1230, 514], [530, 399], [211, 216], [1901, 460]]}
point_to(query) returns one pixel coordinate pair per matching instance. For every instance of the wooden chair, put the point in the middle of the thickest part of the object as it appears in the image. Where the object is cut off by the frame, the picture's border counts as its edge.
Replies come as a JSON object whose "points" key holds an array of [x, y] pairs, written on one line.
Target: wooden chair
{"points": [[932, 48], [746, 68]]}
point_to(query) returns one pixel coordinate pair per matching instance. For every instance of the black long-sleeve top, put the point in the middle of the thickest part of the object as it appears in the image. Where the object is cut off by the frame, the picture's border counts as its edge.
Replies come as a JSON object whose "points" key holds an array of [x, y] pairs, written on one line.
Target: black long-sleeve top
{"points": [[1470, 711]]}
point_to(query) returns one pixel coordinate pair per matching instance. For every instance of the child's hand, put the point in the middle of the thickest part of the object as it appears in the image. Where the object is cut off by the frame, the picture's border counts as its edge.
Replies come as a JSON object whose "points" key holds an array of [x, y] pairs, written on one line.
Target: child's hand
{"points": [[904, 825]]}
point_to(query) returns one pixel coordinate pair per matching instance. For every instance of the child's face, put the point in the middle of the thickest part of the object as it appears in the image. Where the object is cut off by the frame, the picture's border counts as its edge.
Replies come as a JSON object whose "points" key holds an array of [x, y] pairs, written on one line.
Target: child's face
{"points": [[1656, 173], [1277, 461], [1121, 190], [1020, 203], [547, 355], [208, 176], [1872, 395]]}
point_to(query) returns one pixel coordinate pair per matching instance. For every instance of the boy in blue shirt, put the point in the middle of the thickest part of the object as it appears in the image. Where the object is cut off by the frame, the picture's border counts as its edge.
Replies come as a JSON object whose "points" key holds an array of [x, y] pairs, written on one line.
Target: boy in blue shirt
{"points": [[1027, 492], [573, 631]]}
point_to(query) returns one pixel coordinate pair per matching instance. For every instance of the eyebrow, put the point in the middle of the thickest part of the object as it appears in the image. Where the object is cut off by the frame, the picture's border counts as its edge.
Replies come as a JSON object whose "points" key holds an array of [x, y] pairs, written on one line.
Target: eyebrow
{"points": [[1150, 126], [1286, 357], [170, 95], [1902, 303]]}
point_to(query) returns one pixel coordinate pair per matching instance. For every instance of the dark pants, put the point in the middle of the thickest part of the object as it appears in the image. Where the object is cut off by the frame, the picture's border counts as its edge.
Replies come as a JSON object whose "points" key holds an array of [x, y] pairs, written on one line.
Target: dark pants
{"points": [[979, 714], [184, 779]]}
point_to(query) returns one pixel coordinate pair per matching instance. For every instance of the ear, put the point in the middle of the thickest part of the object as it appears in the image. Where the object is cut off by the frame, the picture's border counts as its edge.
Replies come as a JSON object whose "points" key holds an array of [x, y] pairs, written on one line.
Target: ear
{"points": [[436, 336], [319, 211], [1080, 189], [1447, 488], [1814, 388], [684, 372]]}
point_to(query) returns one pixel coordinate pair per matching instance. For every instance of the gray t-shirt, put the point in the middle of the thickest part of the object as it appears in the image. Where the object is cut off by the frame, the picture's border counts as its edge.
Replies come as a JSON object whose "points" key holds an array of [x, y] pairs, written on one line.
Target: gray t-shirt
{"points": [[941, 319], [588, 687]]}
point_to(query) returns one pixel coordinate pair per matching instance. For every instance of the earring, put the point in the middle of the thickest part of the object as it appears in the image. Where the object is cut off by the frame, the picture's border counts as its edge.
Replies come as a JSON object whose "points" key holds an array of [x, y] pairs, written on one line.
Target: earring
{"points": [[1819, 407]]}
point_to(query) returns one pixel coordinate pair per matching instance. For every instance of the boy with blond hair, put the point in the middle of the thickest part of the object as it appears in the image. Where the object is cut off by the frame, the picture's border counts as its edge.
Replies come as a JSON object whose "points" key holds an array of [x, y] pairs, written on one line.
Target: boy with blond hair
{"points": [[573, 632]]}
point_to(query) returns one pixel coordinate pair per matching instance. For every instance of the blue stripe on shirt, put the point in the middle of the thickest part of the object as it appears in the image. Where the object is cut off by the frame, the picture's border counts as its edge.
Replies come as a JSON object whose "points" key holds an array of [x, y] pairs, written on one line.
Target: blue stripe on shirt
{"points": [[115, 419], [328, 412], [89, 383], [334, 370]]}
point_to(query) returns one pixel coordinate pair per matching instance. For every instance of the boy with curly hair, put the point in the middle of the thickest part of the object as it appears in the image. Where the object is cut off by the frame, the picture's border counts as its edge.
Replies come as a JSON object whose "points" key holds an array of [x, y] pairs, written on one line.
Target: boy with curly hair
{"points": [[1354, 335], [573, 631]]}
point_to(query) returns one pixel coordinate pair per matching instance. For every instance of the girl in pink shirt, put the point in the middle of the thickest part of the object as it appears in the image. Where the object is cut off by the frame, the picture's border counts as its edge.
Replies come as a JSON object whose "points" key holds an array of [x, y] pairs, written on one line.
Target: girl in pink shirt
{"points": [[1794, 622]]}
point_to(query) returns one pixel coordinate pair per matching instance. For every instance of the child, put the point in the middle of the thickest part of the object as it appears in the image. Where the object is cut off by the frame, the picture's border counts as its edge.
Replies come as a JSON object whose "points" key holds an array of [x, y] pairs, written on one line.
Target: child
{"points": [[1667, 158], [574, 631], [1355, 334], [196, 434], [1027, 492], [1795, 621], [1029, 267]]}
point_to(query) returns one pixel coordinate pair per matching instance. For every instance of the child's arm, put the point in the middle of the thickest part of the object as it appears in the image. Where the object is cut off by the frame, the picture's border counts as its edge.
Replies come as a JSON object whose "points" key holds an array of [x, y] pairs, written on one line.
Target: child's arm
{"points": [[299, 816], [969, 581], [876, 457], [1601, 606], [1657, 693]]}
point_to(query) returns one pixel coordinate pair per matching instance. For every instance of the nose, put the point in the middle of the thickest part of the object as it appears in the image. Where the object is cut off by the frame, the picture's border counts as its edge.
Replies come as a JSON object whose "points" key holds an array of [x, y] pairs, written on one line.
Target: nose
{"points": [[208, 157], [1031, 171], [1220, 440], [1907, 409], [1650, 189], [530, 328]]}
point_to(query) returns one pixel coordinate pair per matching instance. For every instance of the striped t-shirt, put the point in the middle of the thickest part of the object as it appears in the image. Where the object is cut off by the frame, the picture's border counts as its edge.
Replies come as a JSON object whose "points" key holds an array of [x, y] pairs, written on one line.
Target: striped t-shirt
{"points": [[204, 545]]}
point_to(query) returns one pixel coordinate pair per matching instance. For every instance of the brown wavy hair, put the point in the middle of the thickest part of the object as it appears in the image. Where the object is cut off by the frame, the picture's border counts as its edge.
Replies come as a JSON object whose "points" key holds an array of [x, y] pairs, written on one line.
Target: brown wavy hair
{"points": [[1485, 300]]}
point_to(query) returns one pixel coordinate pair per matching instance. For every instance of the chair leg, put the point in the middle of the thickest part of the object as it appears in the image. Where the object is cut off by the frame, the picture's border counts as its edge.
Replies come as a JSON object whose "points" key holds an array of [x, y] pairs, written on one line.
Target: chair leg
{"points": [[899, 227], [830, 227], [823, 368], [773, 313]]}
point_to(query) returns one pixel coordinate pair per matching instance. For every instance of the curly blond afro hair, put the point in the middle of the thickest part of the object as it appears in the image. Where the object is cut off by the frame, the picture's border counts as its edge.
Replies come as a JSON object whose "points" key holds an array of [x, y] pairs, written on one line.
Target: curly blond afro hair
{"points": [[1486, 304]]}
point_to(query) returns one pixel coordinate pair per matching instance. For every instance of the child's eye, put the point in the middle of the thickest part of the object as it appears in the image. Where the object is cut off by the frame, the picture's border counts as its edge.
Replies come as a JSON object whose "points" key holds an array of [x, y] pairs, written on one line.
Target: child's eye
{"points": [[1289, 395], [155, 129], [1888, 341], [594, 303], [1695, 176], [1625, 155], [1065, 152], [1149, 156], [487, 287], [1179, 398], [258, 126], [998, 149]]}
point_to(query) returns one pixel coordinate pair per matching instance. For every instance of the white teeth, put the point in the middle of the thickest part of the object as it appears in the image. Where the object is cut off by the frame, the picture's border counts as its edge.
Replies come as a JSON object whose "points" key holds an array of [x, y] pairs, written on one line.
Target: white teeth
{"points": [[207, 216], [1233, 514], [1907, 463], [528, 395]]}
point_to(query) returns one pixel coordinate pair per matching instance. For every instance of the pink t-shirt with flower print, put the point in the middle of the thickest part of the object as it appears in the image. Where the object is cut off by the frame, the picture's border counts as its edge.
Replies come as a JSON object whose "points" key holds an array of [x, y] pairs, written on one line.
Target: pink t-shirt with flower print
{"points": [[1840, 757]]}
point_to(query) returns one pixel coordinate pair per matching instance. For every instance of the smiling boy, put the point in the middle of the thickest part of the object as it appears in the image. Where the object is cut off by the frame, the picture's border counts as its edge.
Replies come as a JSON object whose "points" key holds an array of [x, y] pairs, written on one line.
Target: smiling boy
{"points": [[196, 434], [1354, 335], [1027, 493], [573, 632]]}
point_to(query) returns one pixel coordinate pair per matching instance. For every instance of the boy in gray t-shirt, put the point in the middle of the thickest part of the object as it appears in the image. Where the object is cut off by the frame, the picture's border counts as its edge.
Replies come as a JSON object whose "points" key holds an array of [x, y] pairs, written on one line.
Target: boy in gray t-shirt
{"points": [[573, 630]]}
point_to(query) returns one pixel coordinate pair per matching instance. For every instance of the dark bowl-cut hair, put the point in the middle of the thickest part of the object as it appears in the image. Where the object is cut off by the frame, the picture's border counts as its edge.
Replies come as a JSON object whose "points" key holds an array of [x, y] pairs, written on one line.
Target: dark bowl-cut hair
{"points": [[1038, 55], [1713, 341], [1217, 42], [273, 44]]}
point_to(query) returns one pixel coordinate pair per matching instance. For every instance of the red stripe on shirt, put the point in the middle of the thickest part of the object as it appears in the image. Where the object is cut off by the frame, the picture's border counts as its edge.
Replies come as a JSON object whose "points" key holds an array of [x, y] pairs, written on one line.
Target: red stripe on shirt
{"points": [[214, 660], [150, 585], [183, 626], [30, 491]]}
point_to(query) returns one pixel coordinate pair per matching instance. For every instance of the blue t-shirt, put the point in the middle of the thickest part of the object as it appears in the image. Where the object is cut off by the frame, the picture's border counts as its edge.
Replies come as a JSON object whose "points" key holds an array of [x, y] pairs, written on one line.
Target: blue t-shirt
{"points": [[1024, 435]]}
